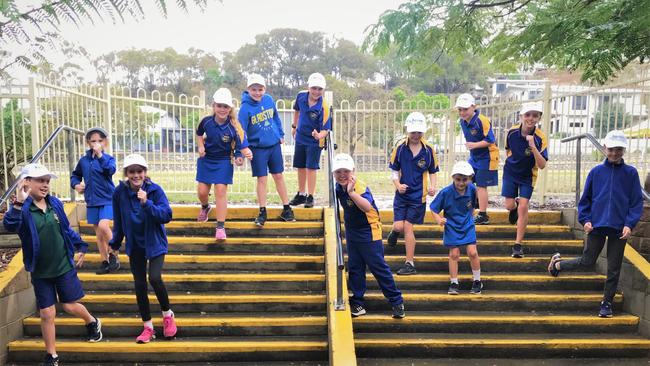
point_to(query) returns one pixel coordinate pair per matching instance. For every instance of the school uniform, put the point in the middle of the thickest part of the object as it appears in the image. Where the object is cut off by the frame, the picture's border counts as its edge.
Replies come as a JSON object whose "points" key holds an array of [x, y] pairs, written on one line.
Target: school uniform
{"points": [[485, 160], [316, 117], [222, 142], [97, 175], [520, 170], [458, 210]]}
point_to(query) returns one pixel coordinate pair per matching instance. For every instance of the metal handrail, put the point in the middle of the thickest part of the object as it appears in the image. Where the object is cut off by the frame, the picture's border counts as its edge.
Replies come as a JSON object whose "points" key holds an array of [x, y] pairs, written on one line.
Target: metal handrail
{"points": [[594, 141], [50, 140]]}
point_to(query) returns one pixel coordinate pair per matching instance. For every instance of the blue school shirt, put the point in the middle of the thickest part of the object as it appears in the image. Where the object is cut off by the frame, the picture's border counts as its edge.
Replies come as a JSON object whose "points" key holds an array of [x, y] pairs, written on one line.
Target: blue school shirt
{"points": [[97, 174], [459, 212], [520, 163], [414, 170], [479, 129], [316, 117], [260, 120], [360, 227], [221, 141]]}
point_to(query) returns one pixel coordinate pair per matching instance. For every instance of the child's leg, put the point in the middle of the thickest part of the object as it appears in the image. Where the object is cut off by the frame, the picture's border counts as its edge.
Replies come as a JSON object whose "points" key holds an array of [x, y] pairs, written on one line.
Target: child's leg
{"points": [[474, 261], [510, 203], [615, 251], [102, 241], [281, 187], [373, 255], [138, 264], [398, 226], [78, 310], [454, 255], [522, 222], [156, 281], [203, 192], [593, 247], [104, 227], [409, 241], [356, 273], [302, 180], [482, 195], [311, 181], [261, 190], [221, 201], [48, 329]]}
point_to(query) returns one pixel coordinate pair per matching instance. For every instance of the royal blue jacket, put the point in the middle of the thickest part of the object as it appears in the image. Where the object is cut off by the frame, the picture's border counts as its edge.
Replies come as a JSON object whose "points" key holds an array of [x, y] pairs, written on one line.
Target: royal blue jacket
{"points": [[97, 174], [157, 213], [260, 120], [612, 197], [21, 222]]}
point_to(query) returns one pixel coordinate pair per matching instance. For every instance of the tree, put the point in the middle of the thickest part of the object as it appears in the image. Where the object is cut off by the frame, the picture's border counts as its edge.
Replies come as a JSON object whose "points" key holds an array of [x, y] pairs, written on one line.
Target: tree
{"points": [[597, 37], [610, 116], [16, 138]]}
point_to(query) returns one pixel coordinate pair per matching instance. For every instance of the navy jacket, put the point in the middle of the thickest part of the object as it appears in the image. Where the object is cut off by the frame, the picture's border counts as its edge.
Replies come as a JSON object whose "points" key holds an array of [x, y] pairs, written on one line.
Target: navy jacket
{"points": [[612, 197], [21, 222], [157, 213], [97, 176], [260, 120]]}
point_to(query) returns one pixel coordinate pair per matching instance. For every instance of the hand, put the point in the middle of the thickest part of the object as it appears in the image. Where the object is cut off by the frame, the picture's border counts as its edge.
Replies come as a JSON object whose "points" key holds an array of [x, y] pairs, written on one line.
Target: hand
{"points": [[323, 134], [293, 132], [97, 149], [431, 191], [442, 222], [588, 227], [80, 188], [470, 145], [142, 196], [351, 182], [239, 161], [202, 151], [531, 141], [626, 233], [79, 261], [402, 188], [22, 192], [281, 140], [248, 154], [314, 134]]}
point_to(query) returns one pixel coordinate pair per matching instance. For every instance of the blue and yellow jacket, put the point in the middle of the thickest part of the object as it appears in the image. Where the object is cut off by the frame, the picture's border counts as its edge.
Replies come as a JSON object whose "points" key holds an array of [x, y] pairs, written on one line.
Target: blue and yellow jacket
{"points": [[260, 120], [479, 129], [360, 227], [97, 174]]}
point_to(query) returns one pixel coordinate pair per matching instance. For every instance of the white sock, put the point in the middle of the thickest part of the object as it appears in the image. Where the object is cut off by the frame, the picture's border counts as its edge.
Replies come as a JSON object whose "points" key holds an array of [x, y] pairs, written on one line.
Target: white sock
{"points": [[476, 274], [55, 355], [148, 324], [168, 313], [454, 280], [411, 263], [303, 193]]}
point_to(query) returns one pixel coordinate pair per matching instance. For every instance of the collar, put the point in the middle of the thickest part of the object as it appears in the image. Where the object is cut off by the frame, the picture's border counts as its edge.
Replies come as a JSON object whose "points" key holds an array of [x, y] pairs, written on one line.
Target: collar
{"points": [[458, 195], [609, 164], [474, 117]]}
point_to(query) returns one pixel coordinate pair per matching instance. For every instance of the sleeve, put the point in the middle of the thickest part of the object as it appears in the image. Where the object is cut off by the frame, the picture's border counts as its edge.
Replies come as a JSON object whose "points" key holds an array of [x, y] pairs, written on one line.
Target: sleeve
{"points": [[543, 150], [438, 202], [77, 175], [367, 195], [584, 206], [507, 147], [118, 232], [394, 159], [296, 106], [157, 207], [474, 197], [242, 117], [487, 129], [107, 163], [13, 219], [635, 203], [77, 242], [433, 167], [241, 138], [278, 121], [200, 129]]}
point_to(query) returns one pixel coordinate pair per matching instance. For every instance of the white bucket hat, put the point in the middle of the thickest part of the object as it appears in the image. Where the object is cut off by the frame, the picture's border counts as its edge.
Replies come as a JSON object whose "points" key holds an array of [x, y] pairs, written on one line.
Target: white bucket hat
{"points": [[342, 161], [222, 96], [36, 170], [615, 139], [462, 168], [135, 159]]}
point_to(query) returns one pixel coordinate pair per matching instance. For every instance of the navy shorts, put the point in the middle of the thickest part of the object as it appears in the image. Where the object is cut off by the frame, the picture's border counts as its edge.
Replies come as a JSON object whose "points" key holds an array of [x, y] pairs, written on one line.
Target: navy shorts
{"points": [[94, 214], [513, 188], [67, 287], [307, 156], [267, 160], [406, 211], [485, 178], [214, 171]]}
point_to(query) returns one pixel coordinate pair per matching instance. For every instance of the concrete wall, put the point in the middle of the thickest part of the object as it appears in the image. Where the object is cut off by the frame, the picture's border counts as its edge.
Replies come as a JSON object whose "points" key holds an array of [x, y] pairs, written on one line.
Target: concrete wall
{"points": [[641, 234]]}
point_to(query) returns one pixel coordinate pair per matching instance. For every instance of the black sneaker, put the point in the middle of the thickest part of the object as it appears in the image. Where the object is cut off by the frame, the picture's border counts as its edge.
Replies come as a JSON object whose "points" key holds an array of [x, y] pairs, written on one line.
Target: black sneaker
{"points": [[391, 240], [453, 288], [104, 268], [477, 286], [357, 310], [398, 311], [113, 263], [408, 269], [50, 361], [94, 330], [287, 215], [298, 199], [517, 251], [261, 218], [513, 215], [481, 219], [552, 269], [605, 309], [309, 202]]}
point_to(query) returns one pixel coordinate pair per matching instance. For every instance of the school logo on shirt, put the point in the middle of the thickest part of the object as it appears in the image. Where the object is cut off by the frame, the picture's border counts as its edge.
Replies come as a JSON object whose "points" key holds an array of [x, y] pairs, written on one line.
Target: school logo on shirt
{"points": [[349, 202], [469, 204], [528, 152], [473, 131], [56, 218], [225, 138], [422, 163], [313, 116]]}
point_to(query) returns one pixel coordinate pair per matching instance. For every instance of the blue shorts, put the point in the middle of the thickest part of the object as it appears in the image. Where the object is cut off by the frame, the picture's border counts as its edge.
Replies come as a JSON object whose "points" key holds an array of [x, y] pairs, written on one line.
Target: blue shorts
{"points": [[96, 213], [67, 287], [214, 171], [406, 211], [485, 178], [513, 188], [267, 160], [307, 156]]}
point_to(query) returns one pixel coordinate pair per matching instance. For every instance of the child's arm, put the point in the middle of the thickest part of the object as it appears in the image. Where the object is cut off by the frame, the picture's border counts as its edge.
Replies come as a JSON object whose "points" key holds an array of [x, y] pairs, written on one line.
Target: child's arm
{"points": [[13, 219], [157, 208], [636, 206], [76, 177], [432, 184], [436, 207], [108, 165], [394, 166], [118, 234], [294, 126], [362, 203], [539, 159], [200, 140], [439, 219], [278, 123], [584, 206]]}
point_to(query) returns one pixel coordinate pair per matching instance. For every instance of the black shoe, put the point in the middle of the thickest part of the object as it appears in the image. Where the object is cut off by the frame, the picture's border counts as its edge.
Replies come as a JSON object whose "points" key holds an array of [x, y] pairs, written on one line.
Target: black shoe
{"points": [[298, 199], [517, 251], [50, 361], [481, 219], [552, 269], [408, 269], [287, 215], [477, 286], [513, 215], [113, 263], [453, 288], [94, 330], [398, 311], [391, 240], [309, 202], [606, 309], [261, 218], [104, 268], [357, 310]]}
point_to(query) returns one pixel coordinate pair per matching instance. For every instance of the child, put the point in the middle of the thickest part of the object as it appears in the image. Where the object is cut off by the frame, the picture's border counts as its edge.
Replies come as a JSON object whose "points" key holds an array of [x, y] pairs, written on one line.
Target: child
{"points": [[610, 207], [483, 151], [48, 244], [311, 124], [526, 150], [458, 201], [363, 238], [219, 137], [140, 210], [414, 166], [260, 120], [96, 169]]}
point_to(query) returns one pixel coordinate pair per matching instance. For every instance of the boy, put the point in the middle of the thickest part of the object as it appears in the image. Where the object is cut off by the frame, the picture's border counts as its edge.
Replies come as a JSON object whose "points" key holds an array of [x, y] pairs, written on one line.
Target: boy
{"points": [[48, 244], [261, 122], [458, 201], [363, 238], [526, 150], [483, 151], [610, 207], [413, 167]]}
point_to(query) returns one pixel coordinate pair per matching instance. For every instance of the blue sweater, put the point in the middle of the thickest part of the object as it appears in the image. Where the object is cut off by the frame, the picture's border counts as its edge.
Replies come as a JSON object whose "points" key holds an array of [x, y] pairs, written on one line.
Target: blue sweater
{"points": [[97, 176], [157, 213], [612, 197], [21, 222], [260, 120]]}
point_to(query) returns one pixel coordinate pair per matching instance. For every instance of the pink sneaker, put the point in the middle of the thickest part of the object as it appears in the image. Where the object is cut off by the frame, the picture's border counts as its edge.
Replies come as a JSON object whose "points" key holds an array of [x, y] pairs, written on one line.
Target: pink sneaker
{"points": [[220, 234], [203, 214], [147, 335], [169, 327]]}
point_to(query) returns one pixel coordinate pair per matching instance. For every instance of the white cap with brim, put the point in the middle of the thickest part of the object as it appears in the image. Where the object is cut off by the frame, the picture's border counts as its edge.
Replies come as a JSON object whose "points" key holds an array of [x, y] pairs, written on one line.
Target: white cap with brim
{"points": [[36, 170], [615, 139], [222, 96], [342, 161], [135, 159], [532, 107], [416, 122], [255, 79], [462, 168], [465, 101], [316, 80], [91, 130]]}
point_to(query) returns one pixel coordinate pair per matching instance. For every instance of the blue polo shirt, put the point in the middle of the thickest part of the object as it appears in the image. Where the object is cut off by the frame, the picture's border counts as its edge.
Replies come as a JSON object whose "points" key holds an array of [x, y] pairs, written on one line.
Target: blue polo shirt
{"points": [[360, 227], [520, 164], [414, 170], [316, 117], [459, 212], [479, 129], [221, 141]]}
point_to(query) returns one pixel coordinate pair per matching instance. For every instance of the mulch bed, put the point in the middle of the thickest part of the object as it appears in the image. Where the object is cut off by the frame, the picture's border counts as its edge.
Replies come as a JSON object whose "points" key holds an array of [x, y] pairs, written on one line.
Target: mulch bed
{"points": [[5, 257]]}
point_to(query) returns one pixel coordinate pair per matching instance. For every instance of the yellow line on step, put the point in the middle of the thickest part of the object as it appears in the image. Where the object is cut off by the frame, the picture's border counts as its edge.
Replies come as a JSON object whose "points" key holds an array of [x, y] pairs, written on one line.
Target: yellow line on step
{"points": [[539, 343], [496, 277], [220, 258], [209, 299], [498, 320], [208, 277], [202, 240], [498, 297], [235, 225], [284, 321]]}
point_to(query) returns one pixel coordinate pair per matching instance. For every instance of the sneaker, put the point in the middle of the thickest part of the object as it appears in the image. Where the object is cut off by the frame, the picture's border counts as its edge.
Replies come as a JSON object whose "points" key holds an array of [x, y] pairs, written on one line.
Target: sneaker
{"points": [[357, 310], [481, 219], [113, 262], [261, 218], [94, 330], [104, 268], [203, 214], [513, 215], [605, 309], [517, 251], [391, 240], [220, 234], [309, 202], [408, 269], [147, 335], [169, 327], [453, 288], [50, 361], [552, 269], [298, 199], [287, 215], [398, 311], [477, 286]]}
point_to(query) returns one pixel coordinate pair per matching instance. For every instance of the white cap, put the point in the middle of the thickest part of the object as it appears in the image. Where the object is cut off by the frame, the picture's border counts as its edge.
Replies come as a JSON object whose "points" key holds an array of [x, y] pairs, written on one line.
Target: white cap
{"points": [[615, 138], [36, 170], [91, 130], [135, 159], [255, 79], [532, 107], [416, 122], [465, 101], [342, 161], [222, 96], [462, 168], [316, 80]]}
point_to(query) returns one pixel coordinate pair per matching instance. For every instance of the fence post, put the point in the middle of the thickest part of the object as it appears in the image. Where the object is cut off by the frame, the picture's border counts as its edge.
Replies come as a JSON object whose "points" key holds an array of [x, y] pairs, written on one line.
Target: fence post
{"points": [[33, 115], [451, 139], [546, 121], [108, 115], [69, 145]]}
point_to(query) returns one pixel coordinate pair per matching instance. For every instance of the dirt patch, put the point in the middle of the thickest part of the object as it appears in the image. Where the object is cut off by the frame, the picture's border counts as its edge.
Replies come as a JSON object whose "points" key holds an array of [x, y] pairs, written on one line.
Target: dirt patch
{"points": [[5, 257]]}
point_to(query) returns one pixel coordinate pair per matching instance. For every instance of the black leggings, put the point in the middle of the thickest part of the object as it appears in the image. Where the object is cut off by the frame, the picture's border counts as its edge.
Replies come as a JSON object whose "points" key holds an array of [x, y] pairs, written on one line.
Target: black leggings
{"points": [[138, 263]]}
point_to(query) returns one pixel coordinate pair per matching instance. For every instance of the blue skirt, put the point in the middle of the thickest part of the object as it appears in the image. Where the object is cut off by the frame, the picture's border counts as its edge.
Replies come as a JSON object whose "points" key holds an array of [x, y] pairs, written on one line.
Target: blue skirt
{"points": [[211, 171]]}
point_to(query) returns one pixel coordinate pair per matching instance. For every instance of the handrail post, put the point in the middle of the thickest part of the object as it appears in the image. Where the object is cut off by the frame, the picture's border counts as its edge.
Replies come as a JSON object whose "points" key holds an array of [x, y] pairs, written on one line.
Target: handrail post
{"points": [[578, 168], [69, 146]]}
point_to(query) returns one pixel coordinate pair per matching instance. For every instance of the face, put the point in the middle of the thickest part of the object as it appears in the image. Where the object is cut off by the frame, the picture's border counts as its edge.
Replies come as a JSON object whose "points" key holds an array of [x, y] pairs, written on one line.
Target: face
{"points": [[256, 91], [40, 187], [96, 138], [530, 119], [614, 154], [342, 176], [461, 181], [466, 113], [136, 175], [315, 92], [221, 110], [414, 137]]}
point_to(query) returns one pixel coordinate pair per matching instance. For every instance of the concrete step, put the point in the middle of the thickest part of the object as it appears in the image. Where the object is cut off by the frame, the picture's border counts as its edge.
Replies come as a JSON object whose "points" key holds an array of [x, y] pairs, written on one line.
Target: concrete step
{"points": [[248, 213], [500, 361], [440, 263], [495, 231], [495, 246], [497, 216], [181, 363]]}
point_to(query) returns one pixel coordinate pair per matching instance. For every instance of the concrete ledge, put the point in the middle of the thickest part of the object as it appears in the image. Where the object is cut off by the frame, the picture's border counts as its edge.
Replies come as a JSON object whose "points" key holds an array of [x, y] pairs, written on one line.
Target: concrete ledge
{"points": [[635, 285]]}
